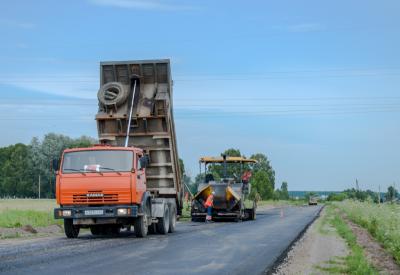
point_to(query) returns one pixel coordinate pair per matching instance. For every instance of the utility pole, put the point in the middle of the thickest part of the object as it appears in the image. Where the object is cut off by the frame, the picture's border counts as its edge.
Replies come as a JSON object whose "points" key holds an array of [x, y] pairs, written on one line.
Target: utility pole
{"points": [[379, 195], [39, 186], [357, 187]]}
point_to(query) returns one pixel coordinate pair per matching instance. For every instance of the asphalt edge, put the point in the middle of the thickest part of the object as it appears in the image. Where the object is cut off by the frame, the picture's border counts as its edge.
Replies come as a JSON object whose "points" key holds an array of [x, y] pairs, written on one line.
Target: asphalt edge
{"points": [[270, 270]]}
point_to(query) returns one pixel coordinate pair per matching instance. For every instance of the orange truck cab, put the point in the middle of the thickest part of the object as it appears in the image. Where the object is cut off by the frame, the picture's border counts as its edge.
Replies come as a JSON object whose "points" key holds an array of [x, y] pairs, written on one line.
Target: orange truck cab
{"points": [[103, 188]]}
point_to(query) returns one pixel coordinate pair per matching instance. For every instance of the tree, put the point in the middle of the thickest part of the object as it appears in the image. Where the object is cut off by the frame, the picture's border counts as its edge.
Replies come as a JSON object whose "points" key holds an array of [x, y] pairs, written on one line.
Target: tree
{"points": [[260, 183], [217, 170], [263, 164], [16, 169], [185, 178], [21, 165], [391, 194], [284, 194], [337, 196]]}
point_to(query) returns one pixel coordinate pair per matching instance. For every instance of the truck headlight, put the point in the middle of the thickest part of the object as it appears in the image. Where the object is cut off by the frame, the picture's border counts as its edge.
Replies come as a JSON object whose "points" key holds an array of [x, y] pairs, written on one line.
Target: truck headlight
{"points": [[122, 211], [66, 213]]}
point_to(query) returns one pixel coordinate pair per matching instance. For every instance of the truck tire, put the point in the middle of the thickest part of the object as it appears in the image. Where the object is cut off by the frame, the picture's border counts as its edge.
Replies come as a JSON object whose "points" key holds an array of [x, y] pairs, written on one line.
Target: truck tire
{"points": [[172, 218], [112, 93], [141, 227], [114, 230], [253, 213], [71, 230], [96, 230], [152, 229], [163, 223]]}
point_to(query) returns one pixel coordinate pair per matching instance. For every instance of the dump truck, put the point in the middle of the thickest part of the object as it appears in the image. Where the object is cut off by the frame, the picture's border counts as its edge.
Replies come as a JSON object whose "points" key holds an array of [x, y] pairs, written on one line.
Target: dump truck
{"points": [[231, 198], [313, 200], [132, 178]]}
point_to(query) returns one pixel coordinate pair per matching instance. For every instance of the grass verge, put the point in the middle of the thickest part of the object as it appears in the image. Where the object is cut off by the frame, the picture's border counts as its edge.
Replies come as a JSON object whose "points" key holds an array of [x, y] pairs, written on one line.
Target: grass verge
{"points": [[17, 218], [382, 222], [355, 262]]}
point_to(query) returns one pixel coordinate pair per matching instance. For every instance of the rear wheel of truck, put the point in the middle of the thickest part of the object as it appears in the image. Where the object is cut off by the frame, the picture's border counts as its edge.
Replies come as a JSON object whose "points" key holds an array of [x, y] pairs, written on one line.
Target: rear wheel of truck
{"points": [[172, 218], [152, 229], [71, 230], [163, 223]]}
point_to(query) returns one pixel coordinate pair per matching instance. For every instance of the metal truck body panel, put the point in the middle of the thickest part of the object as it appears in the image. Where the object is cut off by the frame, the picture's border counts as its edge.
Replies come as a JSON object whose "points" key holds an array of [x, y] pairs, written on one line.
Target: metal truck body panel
{"points": [[152, 127], [133, 177]]}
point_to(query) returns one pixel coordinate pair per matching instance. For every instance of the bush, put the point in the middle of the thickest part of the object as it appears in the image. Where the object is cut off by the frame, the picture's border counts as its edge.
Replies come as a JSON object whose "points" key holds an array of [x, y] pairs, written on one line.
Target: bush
{"points": [[337, 197], [382, 221]]}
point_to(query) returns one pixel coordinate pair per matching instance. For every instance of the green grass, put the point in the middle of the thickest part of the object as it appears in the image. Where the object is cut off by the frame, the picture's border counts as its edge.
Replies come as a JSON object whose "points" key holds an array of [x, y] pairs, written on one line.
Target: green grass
{"points": [[382, 221], [185, 212], [16, 218], [28, 204], [20, 212], [355, 262]]}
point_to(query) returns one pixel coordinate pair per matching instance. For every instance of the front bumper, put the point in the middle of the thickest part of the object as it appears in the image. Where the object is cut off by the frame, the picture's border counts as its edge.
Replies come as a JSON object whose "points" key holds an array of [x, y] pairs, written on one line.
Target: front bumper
{"points": [[85, 212]]}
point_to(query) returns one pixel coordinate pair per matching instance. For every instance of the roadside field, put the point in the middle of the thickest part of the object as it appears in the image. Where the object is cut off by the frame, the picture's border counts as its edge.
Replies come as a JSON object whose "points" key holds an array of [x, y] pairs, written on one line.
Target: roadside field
{"points": [[282, 203], [382, 221], [28, 204], [20, 217]]}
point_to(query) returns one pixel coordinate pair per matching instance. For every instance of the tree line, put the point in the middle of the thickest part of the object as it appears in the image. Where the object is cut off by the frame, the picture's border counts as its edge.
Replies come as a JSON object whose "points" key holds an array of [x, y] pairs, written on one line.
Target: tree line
{"points": [[23, 166], [391, 195]]}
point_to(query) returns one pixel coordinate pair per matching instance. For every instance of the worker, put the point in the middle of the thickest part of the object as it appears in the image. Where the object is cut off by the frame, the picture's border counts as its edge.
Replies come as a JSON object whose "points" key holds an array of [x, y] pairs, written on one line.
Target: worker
{"points": [[245, 180], [246, 176], [209, 206]]}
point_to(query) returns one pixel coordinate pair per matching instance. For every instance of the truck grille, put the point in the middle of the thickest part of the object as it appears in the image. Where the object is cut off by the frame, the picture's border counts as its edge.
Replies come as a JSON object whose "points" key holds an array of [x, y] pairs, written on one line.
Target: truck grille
{"points": [[86, 198]]}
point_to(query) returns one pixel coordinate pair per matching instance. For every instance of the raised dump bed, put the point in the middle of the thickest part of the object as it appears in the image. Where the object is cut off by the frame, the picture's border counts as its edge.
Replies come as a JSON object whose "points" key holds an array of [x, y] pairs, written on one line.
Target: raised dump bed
{"points": [[147, 85]]}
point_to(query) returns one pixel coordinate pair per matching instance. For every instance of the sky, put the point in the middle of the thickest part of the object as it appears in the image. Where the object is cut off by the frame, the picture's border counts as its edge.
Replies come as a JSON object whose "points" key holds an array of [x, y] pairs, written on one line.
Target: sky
{"points": [[314, 85]]}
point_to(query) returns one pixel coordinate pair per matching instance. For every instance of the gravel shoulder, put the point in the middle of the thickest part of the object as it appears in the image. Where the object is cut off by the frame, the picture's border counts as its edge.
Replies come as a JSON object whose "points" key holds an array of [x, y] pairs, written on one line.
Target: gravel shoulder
{"points": [[318, 247]]}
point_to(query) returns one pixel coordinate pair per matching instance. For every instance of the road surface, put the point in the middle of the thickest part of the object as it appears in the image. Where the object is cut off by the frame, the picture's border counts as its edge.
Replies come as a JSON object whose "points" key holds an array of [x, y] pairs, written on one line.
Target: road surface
{"points": [[249, 247]]}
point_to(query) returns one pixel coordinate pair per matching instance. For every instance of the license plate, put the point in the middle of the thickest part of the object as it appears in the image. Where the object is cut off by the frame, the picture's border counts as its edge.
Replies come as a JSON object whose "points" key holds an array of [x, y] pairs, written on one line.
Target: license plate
{"points": [[94, 212]]}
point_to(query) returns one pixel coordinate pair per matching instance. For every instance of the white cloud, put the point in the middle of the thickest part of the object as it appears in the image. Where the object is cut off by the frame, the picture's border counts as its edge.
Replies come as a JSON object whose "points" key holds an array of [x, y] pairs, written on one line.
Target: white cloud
{"points": [[73, 86], [142, 4]]}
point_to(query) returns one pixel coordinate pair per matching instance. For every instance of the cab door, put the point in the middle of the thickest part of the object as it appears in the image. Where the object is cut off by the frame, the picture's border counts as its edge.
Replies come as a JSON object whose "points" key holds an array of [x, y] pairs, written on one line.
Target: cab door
{"points": [[140, 175]]}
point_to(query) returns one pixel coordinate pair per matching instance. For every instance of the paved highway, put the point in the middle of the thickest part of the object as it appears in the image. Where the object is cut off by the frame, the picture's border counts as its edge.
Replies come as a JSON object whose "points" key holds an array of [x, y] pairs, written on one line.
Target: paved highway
{"points": [[249, 247]]}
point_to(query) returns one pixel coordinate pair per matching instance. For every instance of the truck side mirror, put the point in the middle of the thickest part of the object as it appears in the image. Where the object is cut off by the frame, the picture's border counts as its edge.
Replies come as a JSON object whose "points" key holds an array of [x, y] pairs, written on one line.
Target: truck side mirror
{"points": [[144, 162], [55, 165]]}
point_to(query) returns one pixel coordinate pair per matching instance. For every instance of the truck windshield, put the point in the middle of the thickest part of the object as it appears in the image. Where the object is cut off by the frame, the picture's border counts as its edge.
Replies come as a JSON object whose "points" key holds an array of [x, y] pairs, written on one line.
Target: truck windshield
{"points": [[97, 161]]}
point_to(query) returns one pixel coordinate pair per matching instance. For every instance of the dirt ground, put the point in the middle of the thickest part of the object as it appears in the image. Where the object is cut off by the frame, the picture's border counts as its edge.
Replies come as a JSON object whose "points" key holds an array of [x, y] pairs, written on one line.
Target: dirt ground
{"points": [[319, 245], [29, 231]]}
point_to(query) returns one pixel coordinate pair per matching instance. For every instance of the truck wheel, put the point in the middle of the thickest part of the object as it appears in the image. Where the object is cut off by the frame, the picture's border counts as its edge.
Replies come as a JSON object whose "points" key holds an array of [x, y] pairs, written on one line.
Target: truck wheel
{"points": [[163, 223], [114, 230], [141, 226], [253, 213], [71, 230], [172, 219], [95, 230], [152, 229]]}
